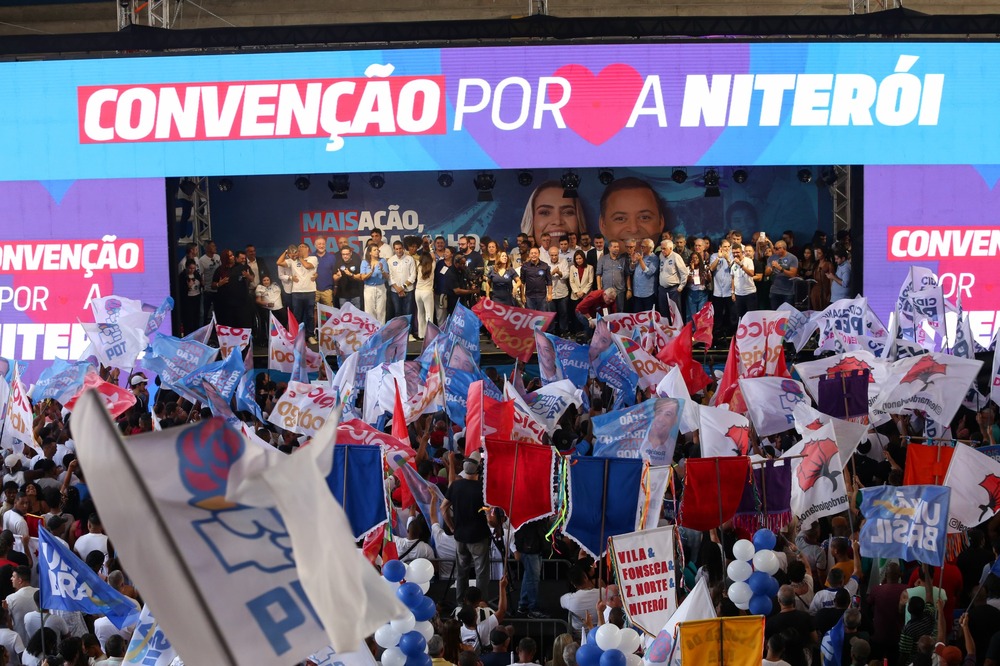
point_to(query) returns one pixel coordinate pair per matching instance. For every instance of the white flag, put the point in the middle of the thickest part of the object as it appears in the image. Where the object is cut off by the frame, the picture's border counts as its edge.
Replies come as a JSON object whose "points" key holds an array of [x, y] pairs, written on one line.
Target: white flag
{"points": [[650, 369], [644, 563], [149, 646], [17, 426], [304, 408], [552, 400], [115, 345], [724, 433], [818, 487], [810, 372], [336, 576], [770, 402], [231, 338], [847, 433], [974, 479], [655, 486], [932, 383], [223, 584], [696, 606], [673, 386], [345, 329], [526, 426], [846, 316]]}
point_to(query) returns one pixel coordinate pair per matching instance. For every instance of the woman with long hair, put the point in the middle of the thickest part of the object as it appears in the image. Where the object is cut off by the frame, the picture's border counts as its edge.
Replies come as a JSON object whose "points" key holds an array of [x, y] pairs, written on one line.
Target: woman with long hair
{"points": [[807, 267], [581, 281], [548, 211], [424, 293], [375, 274], [502, 281], [819, 296], [451, 634], [699, 284]]}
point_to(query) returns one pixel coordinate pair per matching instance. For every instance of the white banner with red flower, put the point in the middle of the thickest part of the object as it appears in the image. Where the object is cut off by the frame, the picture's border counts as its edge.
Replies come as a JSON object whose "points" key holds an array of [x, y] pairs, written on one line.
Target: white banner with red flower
{"points": [[818, 487]]}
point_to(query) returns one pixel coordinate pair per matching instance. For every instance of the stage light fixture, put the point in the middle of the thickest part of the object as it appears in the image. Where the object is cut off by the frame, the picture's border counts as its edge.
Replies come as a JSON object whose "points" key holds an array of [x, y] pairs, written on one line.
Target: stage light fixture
{"points": [[485, 181], [679, 175], [377, 181], [606, 176], [445, 179], [711, 178], [225, 184], [525, 178], [829, 177], [570, 182], [740, 175], [340, 185], [805, 175], [303, 183]]}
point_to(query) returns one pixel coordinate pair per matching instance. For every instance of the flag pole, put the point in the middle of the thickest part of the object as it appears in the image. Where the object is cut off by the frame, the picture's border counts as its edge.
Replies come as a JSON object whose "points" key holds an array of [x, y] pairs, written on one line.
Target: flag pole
{"points": [[510, 507], [763, 491], [600, 548], [847, 415], [718, 484]]}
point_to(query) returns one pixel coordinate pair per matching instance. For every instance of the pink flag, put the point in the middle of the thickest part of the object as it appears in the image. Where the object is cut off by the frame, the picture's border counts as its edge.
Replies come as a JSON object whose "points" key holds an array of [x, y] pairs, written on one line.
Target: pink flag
{"points": [[513, 329], [704, 321], [486, 417]]}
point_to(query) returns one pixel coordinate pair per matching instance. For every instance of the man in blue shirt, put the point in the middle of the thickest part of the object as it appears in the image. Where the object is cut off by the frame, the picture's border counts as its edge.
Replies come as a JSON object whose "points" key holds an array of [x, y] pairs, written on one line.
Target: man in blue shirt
{"points": [[644, 277], [612, 272], [782, 266], [325, 262]]}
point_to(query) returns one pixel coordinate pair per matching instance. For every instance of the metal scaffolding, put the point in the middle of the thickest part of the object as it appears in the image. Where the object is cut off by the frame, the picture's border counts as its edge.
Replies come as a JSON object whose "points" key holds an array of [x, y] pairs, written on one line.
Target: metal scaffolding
{"points": [[152, 13], [196, 190]]}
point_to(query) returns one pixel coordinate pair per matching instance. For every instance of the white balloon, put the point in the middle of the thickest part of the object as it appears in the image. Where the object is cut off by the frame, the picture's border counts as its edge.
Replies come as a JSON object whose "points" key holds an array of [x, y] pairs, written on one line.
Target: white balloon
{"points": [[766, 561], [739, 571], [629, 642], [393, 657], [740, 606], [608, 637], [633, 660], [404, 624], [740, 593], [424, 587], [743, 550], [419, 571], [426, 629], [386, 636]]}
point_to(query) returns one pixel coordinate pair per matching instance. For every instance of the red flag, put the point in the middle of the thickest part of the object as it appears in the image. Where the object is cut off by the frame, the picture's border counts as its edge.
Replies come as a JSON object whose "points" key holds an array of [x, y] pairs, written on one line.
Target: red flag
{"points": [[729, 386], [519, 479], [117, 399], [486, 416], [399, 430], [712, 490], [704, 321], [293, 325], [679, 352], [926, 464], [513, 329]]}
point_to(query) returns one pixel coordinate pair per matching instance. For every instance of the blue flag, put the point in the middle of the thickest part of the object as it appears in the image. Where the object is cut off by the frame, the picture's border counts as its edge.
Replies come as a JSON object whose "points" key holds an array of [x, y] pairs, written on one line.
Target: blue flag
{"points": [[831, 648], [386, 345], [603, 499], [174, 358], [908, 522], [68, 584], [647, 430], [60, 380], [245, 398], [223, 375], [463, 325], [573, 359], [156, 319], [356, 481]]}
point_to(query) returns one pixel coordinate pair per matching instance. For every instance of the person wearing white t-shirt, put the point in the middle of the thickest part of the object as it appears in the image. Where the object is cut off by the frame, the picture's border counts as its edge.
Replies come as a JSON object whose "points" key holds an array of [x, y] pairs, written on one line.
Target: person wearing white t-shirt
{"points": [[475, 632], [582, 601], [95, 539], [208, 264], [14, 521], [10, 640]]}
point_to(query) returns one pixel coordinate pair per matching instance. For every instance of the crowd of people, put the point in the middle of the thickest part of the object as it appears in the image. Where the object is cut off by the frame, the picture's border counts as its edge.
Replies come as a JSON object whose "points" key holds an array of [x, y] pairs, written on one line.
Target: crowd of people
{"points": [[555, 264]]}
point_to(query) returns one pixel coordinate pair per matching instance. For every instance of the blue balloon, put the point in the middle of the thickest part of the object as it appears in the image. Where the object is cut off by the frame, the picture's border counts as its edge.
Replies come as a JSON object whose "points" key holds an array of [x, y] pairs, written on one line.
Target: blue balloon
{"points": [[758, 583], [394, 571], [772, 586], [592, 639], [424, 610], [764, 539], [412, 643], [589, 654], [759, 605], [410, 594], [419, 660], [613, 658]]}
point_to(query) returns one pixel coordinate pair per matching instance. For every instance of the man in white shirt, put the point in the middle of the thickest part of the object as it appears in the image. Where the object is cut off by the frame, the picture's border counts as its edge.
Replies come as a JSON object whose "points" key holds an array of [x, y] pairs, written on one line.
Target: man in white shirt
{"points": [[22, 601], [673, 276], [581, 602], [208, 263], [834, 582], [384, 249], [744, 288], [476, 633], [559, 269], [10, 640], [95, 539], [14, 521], [402, 280], [303, 269]]}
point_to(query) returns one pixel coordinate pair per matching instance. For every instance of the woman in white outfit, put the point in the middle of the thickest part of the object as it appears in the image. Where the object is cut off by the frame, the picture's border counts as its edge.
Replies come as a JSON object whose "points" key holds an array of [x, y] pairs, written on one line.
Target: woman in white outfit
{"points": [[424, 293]]}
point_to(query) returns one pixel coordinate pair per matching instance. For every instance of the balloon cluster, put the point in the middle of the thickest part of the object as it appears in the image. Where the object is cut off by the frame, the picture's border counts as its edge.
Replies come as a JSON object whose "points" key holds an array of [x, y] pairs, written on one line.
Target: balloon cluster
{"points": [[405, 639], [755, 585], [607, 645]]}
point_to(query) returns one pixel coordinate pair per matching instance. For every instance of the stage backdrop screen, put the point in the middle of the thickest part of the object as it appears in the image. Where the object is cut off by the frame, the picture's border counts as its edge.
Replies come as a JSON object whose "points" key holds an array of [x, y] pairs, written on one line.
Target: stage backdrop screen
{"points": [[941, 217], [66, 242], [269, 212]]}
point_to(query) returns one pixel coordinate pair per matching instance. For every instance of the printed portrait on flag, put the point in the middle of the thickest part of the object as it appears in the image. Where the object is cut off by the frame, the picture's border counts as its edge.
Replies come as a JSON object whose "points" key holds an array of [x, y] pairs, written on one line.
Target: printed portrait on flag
{"points": [[647, 430]]}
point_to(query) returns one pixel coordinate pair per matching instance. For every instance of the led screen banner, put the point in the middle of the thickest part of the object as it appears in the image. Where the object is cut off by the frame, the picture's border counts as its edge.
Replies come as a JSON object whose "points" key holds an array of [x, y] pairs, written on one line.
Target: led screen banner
{"points": [[501, 107], [270, 212], [67, 242], [940, 217]]}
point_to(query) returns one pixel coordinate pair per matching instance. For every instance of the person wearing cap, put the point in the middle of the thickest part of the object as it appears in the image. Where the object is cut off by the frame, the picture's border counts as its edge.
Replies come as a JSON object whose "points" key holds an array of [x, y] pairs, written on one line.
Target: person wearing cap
{"points": [[462, 509], [501, 654]]}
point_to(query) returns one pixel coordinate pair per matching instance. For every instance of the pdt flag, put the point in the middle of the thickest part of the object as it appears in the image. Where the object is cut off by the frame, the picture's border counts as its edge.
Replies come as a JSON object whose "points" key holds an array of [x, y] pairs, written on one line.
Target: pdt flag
{"points": [[908, 522], [67, 583]]}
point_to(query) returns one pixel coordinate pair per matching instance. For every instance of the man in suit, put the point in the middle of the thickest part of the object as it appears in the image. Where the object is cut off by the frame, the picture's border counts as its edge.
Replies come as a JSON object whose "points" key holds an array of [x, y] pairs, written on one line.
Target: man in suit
{"points": [[595, 253]]}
